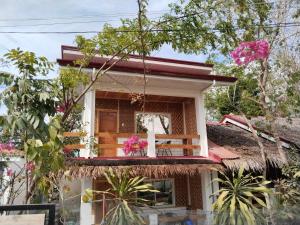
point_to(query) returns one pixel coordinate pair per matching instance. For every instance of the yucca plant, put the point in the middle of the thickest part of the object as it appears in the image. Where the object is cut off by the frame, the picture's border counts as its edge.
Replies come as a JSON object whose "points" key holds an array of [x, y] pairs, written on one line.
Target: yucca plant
{"points": [[238, 202], [123, 192]]}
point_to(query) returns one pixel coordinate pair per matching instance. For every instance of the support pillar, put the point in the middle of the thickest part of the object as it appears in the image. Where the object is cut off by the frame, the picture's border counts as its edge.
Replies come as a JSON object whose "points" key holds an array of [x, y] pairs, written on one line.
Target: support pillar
{"points": [[201, 124], [151, 151], [86, 216], [89, 122], [206, 186]]}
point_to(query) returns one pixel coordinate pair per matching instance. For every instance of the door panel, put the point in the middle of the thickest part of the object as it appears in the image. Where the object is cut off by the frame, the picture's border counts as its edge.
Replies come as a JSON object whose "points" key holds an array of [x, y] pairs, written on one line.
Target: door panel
{"points": [[107, 123]]}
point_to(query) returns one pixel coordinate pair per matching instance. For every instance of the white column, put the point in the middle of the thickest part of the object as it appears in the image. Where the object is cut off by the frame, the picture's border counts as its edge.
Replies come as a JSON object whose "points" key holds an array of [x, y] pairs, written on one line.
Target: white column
{"points": [[151, 151], [88, 121], [86, 216], [206, 187], [215, 184], [201, 124]]}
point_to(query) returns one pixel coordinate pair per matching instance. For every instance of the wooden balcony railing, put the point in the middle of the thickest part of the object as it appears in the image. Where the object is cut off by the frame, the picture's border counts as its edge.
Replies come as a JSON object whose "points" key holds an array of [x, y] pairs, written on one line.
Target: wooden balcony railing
{"points": [[162, 141]]}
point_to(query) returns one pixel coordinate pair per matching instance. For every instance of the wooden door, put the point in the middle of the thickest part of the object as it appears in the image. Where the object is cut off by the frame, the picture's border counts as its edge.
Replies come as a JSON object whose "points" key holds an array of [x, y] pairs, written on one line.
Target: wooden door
{"points": [[107, 123]]}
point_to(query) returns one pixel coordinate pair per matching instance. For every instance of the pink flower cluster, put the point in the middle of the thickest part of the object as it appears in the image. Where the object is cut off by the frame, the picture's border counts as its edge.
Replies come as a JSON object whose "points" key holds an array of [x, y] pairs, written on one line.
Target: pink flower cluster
{"points": [[10, 172], [8, 147], [134, 144], [30, 166], [250, 51]]}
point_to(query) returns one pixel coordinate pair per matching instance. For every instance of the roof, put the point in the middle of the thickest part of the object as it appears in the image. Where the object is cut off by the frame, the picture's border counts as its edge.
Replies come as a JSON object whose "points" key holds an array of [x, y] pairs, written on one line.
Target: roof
{"points": [[243, 146], [288, 129], [155, 66]]}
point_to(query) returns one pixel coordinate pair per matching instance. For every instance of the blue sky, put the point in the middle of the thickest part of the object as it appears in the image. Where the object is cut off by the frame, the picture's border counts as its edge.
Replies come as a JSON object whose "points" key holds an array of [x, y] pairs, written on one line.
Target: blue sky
{"points": [[73, 15], [28, 15]]}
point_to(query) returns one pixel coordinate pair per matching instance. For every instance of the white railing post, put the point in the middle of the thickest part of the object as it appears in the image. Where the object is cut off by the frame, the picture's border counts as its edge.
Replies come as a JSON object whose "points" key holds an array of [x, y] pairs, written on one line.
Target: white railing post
{"points": [[88, 122], [86, 216], [151, 151], [201, 124]]}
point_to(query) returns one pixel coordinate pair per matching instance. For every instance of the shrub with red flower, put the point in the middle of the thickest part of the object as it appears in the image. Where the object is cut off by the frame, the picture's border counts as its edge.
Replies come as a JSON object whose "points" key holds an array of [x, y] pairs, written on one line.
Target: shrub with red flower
{"points": [[8, 147], [250, 51], [9, 172], [134, 144], [30, 166]]}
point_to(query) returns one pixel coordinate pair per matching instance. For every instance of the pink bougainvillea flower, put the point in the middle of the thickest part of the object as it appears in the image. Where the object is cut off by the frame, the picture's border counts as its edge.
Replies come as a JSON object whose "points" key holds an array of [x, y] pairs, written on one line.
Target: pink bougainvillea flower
{"points": [[30, 166], [61, 108], [250, 51], [134, 144], [10, 172], [8, 147]]}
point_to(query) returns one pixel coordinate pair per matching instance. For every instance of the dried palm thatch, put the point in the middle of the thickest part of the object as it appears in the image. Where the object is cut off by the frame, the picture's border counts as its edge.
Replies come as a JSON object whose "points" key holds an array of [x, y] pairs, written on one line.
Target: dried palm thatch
{"points": [[242, 143], [151, 171]]}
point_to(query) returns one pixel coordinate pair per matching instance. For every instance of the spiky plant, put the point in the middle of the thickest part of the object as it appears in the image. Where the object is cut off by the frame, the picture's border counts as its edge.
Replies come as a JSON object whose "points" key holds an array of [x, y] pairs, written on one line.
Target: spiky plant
{"points": [[235, 204], [123, 192]]}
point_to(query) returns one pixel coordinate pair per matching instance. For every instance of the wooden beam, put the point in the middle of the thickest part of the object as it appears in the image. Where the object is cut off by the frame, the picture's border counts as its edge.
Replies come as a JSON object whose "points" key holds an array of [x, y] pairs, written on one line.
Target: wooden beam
{"points": [[74, 134]]}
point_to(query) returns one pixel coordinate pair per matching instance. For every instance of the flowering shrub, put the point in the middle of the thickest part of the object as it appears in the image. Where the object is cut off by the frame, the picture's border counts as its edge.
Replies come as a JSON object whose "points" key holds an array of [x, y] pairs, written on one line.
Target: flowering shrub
{"points": [[30, 166], [8, 147], [10, 172], [134, 144], [250, 51]]}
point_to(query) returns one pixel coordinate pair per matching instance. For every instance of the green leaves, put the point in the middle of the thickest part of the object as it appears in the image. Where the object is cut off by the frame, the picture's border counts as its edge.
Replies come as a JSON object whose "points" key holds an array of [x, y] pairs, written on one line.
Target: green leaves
{"points": [[235, 204], [123, 189], [27, 62]]}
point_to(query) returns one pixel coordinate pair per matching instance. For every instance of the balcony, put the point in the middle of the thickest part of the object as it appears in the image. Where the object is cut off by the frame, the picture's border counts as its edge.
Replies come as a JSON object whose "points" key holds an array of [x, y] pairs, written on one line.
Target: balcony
{"points": [[108, 145]]}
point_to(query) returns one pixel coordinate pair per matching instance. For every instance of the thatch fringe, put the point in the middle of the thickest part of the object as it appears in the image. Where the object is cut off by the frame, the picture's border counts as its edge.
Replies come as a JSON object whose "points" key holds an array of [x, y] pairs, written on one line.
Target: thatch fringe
{"points": [[251, 163], [151, 171]]}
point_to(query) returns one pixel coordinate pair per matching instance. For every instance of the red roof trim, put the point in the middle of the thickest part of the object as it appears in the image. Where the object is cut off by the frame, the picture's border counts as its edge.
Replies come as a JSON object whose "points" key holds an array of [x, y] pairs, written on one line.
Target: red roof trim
{"points": [[159, 59], [157, 70]]}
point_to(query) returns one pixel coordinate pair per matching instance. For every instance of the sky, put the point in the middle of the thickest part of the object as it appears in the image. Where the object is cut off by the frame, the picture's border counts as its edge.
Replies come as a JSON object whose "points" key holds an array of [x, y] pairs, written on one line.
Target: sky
{"points": [[68, 15], [72, 15]]}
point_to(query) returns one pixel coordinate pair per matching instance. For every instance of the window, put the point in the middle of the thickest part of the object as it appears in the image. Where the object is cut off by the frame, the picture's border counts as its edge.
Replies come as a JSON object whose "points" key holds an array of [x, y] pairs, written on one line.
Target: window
{"points": [[165, 196], [159, 123]]}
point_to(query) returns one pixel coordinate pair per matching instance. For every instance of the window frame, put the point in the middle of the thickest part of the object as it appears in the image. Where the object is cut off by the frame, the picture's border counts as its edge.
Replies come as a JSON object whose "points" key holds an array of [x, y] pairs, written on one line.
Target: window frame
{"points": [[168, 115], [173, 192]]}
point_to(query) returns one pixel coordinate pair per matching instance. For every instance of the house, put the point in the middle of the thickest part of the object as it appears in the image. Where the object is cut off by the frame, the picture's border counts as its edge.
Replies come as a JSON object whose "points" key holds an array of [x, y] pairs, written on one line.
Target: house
{"points": [[178, 159]]}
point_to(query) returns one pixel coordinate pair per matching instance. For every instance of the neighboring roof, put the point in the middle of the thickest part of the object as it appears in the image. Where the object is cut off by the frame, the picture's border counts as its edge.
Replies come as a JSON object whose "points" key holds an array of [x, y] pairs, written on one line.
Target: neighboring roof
{"points": [[289, 130], [241, 143], [154, 65]]}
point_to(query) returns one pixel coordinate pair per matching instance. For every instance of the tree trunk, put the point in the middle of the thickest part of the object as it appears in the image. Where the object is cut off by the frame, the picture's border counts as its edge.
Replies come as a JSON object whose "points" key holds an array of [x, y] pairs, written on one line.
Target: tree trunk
{"points": [[269, 115]]}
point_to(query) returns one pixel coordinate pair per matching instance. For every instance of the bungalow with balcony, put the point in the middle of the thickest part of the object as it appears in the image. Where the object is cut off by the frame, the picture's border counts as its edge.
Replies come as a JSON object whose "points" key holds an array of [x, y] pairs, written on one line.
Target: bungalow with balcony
{"points": [[171, 118]]}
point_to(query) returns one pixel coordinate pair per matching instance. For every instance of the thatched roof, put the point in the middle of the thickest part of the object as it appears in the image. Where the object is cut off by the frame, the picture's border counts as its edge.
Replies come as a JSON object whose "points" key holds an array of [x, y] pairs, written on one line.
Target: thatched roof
{"points": [[288, 129], [242, 143], [154, 168], [151, 171]]}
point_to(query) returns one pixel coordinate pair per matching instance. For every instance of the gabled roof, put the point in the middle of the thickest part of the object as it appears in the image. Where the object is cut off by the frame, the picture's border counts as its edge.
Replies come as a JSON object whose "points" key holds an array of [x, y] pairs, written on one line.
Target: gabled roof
{"points": [[154, 66], [233, 135], [243, 148], [289, 131]]}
